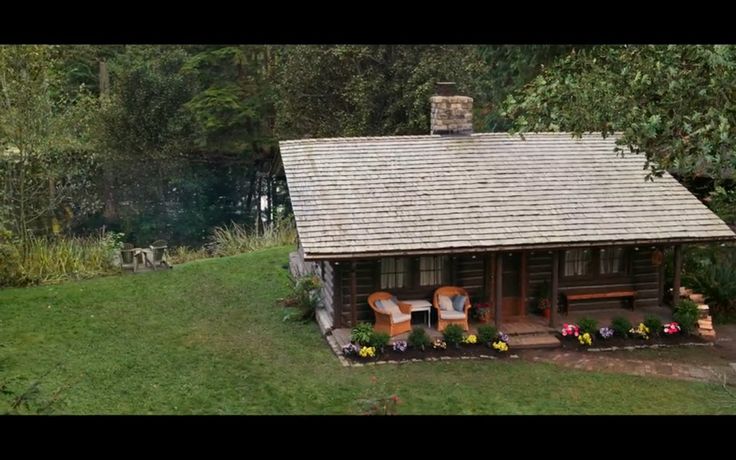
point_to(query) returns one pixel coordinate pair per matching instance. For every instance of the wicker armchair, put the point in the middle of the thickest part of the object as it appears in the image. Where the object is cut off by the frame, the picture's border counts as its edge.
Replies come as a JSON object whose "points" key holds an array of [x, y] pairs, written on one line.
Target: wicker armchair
{"points": [[445, 318], [392, 324]]}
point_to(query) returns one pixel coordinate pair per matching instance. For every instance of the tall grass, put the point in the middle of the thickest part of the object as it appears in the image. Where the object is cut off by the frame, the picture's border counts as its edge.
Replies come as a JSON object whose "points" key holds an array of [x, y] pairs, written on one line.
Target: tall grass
{"points": [[237, 239], [52, 260], [183, 254], [41, 260]]}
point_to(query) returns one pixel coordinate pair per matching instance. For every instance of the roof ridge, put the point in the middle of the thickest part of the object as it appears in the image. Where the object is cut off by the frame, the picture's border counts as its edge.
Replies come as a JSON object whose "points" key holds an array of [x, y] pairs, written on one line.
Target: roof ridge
{"points": [[569, 134]]}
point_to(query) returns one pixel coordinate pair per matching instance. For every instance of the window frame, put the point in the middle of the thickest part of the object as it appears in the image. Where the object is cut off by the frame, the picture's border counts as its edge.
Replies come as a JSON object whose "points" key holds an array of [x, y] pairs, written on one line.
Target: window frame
{"points": [[594, 268], [408, 279], [412, 280], [624, 262], [444, 271], [590, 269]]}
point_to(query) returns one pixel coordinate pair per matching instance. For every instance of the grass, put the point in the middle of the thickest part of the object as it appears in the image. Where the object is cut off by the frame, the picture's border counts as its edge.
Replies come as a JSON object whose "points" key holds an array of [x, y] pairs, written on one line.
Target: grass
{"points": [[208, 338]]}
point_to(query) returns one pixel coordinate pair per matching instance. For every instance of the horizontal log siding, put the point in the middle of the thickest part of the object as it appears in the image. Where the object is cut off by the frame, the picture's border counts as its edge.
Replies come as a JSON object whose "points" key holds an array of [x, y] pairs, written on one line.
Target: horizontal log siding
{"points": [[328, 288], [365, 285], [643, 277], [467, 273], [326, 274], [539, 265], [646, 278]]}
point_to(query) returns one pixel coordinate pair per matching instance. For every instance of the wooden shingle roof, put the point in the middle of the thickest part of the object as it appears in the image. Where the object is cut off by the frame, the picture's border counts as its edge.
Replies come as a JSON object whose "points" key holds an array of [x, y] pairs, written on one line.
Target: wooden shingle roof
{"points": [[397, 195]]}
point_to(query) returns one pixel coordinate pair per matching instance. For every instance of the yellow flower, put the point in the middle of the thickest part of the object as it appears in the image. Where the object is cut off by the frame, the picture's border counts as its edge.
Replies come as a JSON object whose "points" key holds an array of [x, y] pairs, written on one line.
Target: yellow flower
{"points": [[367, 352], [471, 339], [501, 346], [585, 339]]}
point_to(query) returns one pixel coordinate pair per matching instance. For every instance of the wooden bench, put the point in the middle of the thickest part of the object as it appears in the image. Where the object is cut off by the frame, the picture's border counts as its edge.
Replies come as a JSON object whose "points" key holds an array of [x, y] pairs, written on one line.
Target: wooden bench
{"points": [[570, 296]]}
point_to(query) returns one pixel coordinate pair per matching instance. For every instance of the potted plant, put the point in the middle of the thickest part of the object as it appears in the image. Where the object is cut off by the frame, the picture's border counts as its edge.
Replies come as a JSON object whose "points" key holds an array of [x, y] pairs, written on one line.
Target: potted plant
{"points": [[482, 312], [544, 303]]}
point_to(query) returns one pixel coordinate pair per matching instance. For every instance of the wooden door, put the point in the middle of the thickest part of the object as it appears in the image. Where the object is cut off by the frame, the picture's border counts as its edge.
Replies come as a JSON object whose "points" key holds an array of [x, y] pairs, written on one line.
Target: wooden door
{"points": [[511, 283]]}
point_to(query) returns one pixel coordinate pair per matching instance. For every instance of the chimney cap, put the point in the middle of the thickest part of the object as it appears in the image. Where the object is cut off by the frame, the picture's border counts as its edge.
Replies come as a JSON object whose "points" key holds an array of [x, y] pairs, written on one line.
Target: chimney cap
{"points": [[445, 88]]}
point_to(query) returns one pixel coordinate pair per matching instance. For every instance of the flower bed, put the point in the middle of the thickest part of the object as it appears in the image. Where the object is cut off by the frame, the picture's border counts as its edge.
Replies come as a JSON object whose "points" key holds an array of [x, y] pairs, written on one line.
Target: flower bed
{"points": [[410, 353], [455, 344], [572, 337]]}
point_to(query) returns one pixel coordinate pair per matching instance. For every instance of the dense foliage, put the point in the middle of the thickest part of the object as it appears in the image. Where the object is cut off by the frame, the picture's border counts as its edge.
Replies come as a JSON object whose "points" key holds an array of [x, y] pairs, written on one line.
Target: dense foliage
{"points": [[170, 142], [675, 104]]}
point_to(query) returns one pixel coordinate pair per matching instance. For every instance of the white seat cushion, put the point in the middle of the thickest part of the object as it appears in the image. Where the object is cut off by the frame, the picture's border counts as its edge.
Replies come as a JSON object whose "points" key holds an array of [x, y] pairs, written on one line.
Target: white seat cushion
{"points": [[400, 318], [452, 314], [445, 303]]}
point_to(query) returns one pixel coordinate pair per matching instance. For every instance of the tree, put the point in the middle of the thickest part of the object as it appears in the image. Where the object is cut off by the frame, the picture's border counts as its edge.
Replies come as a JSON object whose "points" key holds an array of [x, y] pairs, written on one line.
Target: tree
{"points": [[368, 90], [39, 125], [676, 105]]}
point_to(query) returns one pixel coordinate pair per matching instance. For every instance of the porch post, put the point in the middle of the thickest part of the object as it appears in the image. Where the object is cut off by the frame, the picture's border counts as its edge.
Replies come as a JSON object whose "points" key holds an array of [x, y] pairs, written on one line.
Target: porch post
{"points": [[660, 279], [677, 277], [488, 277], [499, 289], [353, 292], [555, 287], [337, 295], [523, 281]]}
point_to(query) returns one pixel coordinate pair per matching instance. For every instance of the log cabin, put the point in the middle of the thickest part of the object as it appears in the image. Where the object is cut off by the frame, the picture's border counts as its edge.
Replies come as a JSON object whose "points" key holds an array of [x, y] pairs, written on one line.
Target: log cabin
{"points": [[507, 217]]}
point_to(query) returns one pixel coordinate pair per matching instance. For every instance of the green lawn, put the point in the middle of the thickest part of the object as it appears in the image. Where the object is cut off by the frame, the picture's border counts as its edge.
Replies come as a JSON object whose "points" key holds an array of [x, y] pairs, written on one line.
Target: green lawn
{"points": [[208, 338]]}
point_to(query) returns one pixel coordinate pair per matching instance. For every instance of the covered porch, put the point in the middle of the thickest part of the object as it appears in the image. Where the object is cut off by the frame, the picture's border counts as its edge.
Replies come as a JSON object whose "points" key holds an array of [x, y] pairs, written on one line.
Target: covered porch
{"points": [[511, 285]]}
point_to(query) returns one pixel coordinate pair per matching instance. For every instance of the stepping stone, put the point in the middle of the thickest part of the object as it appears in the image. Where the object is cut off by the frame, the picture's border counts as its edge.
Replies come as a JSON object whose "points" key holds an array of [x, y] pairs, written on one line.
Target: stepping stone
{"points": [[697, 298]]}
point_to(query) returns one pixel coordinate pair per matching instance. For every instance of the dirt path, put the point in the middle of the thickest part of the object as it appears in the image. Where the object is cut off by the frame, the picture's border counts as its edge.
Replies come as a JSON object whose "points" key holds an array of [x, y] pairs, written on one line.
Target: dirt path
{"points": [[704, 364]]}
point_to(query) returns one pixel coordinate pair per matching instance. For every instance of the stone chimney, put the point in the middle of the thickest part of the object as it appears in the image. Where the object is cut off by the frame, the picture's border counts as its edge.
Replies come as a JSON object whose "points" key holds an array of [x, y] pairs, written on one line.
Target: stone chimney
{"points": [[451, 114]]}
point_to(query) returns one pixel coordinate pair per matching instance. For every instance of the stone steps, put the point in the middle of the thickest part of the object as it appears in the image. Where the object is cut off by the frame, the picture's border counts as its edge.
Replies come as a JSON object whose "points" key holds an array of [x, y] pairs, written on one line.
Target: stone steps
{"points": [[705, 322], [522, 341]]}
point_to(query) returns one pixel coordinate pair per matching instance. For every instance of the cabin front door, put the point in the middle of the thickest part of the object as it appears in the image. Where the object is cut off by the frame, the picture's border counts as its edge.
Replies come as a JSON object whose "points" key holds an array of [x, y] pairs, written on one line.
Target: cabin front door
{"points": [[512, 305]]}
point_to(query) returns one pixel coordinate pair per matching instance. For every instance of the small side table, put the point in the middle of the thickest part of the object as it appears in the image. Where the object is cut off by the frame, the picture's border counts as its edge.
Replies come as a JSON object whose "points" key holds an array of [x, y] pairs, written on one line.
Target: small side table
{"points": [[421, 305]]}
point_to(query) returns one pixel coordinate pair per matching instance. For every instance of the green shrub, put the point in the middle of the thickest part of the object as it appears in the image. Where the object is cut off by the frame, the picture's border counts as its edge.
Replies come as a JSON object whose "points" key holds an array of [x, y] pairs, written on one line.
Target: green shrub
{"points": [[487, 333], [419, 339], [621, 326], [686, 315], [711, 271], [362, 334], [654, 324], [380, 340], [305, 297], [11, 270], [453, 334], [588, 325]]}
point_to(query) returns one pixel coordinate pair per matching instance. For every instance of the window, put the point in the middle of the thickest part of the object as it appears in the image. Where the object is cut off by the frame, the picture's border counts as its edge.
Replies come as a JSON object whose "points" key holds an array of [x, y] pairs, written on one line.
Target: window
{"points": [[577, 262], [611, 260], [394, 272], [432, 270]]}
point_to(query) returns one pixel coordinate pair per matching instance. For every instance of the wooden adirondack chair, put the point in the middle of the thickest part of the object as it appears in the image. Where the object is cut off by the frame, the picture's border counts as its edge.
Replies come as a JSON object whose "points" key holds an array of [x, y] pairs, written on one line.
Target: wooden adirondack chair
{"points": [[127, 257], [158, 254]]}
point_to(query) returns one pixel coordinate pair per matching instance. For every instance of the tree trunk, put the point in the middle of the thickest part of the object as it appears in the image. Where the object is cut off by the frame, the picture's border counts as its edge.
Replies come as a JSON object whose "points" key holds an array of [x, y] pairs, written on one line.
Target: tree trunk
{"points": [[258, 223], [251, 191], [110, 209]]}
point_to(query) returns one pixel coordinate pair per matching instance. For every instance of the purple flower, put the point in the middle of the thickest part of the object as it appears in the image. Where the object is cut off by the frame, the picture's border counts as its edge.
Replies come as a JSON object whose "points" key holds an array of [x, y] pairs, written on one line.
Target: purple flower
{"points": [[350, 349], [606, 332], [503, 337], [400, 345]]}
